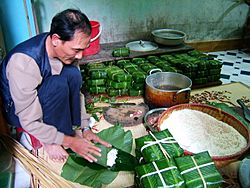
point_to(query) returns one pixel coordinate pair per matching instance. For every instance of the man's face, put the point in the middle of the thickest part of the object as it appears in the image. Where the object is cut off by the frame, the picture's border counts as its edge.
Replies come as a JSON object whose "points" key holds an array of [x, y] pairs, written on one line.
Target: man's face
{"points": [[69, 51]]}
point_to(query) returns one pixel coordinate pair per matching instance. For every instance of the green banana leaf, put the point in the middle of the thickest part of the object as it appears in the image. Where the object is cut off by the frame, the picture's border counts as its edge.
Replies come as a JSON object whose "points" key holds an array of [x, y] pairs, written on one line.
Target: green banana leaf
{"points": [[153, 151], [77, 169], [192, 176], [93, 177], [231, 111], [158, 173]]}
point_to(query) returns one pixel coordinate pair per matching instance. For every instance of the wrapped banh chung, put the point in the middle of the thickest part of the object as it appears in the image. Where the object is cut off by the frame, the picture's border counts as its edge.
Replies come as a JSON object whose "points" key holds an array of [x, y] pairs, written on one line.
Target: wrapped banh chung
{"points": [[199, 171], [162, 173], [157, 146]]}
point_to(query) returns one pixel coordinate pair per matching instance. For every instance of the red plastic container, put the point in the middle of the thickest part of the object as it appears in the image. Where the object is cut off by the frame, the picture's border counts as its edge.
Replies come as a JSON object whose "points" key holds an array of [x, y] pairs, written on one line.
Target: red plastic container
{"points": [[94, 47]]}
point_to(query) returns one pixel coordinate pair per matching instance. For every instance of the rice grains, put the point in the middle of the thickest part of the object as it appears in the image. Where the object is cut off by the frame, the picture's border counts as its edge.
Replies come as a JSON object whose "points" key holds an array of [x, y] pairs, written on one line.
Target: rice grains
{"points": [[196, 131]]}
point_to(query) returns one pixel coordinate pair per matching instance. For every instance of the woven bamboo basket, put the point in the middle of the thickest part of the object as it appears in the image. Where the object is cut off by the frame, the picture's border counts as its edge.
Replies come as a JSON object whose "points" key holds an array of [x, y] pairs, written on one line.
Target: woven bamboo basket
{"points": [[220, 161]]}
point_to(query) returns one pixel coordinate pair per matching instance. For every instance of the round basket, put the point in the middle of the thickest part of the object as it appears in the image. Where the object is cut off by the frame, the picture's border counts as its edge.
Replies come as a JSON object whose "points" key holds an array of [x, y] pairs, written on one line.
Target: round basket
{"points": [[220, 115]]}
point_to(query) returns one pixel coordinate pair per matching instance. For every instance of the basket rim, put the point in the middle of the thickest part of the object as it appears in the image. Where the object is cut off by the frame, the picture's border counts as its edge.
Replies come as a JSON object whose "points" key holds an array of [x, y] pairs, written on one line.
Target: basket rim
{"points": [[188, 106]]}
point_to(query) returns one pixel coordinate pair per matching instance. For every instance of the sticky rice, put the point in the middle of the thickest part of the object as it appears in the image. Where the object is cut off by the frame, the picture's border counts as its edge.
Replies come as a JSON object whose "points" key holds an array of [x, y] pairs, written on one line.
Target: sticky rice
{"points": [[111, 157], [196, 131]]}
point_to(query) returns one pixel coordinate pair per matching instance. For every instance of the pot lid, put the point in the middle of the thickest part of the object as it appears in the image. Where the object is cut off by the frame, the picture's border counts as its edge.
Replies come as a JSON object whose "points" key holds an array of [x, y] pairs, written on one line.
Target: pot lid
{"points": [[141, 46]]}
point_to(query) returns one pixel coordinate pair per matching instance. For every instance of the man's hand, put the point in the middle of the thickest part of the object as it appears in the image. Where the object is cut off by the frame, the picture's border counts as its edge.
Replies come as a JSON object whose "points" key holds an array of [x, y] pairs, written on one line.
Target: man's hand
{"points": [[89, 135], [83, 147]]}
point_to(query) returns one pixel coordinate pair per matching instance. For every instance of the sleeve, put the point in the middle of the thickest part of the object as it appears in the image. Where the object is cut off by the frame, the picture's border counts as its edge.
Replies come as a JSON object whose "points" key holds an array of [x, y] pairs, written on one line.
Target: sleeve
{"points": [[24, 77]]}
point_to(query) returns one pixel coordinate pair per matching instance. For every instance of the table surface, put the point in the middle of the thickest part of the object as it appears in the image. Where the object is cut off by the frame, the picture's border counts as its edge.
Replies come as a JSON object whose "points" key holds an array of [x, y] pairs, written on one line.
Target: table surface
{"points": [[105, 53]]}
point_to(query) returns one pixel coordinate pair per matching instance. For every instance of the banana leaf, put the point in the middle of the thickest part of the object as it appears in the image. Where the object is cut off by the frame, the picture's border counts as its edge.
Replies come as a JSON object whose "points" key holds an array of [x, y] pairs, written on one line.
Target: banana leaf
{"points": [[78, 170], [193, 60], [160, 63], [96, 82], [215, 64], [231, 111], [167, 57], [130, 65], [139, 77], [148, 66], [195, 53], [124, 161], [134, 92], [95, 65], [162, 173], [202, 73], [153, 59], [114, 70], [168, 68], [121, 52], [139, 60], [97, 73], [191, 75], [215, 71], [138, 86], [203, 65], [131, 69], [200, 80], [122, 63], [151, 146], [197, 167], [175, 62], [120, 77], [97, 89], [119, 85], [117, 92]]}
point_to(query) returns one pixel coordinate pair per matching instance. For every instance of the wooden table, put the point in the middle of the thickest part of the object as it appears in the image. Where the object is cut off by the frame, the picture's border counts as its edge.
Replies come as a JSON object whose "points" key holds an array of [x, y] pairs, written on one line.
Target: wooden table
{"points": [[106, 52]]}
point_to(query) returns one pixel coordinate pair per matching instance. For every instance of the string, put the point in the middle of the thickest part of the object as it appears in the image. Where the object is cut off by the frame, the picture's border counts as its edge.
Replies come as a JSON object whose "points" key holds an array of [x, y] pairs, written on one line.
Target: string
{"points": [[198, 169], [165, 153]]}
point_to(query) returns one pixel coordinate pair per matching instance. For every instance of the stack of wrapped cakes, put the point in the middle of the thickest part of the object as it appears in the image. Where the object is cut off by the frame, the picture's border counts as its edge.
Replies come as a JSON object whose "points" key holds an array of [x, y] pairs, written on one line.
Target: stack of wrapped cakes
{"points": [[163, 164], [127, 76]]}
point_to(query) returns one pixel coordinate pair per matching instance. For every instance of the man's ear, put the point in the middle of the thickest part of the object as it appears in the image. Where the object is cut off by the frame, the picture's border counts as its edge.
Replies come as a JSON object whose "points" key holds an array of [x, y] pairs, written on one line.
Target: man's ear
{"points": [[55, 38]]}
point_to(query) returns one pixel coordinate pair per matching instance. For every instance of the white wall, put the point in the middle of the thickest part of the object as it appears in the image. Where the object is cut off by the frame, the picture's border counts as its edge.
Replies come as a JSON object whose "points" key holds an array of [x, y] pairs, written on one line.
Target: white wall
{"points": [[123, 20]]}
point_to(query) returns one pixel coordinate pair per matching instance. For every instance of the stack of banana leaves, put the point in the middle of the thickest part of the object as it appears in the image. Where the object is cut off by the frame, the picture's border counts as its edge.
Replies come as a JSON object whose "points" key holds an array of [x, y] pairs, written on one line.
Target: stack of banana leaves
{"points": [[107, 167], [163, 164], [127, 76]]}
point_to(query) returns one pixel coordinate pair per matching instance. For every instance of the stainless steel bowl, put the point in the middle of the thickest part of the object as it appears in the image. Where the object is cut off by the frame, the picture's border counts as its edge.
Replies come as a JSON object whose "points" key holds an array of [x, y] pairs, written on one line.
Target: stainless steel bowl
{"points": [[151, 118], [169, 37]]}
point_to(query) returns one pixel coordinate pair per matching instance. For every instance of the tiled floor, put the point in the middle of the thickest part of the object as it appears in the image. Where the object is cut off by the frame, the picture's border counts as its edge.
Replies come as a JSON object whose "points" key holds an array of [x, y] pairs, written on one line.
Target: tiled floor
{"points": [[236, 66]]}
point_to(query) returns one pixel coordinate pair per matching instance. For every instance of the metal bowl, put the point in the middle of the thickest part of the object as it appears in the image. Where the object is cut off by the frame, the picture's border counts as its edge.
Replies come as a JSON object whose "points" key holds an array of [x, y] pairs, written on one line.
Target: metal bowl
{"points": [[151, 118], [168, 37]]}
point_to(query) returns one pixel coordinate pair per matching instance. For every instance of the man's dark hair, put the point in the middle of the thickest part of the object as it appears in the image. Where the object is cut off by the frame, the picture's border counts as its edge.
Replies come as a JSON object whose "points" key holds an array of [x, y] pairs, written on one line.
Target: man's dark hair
{"points": [[65, 24]]}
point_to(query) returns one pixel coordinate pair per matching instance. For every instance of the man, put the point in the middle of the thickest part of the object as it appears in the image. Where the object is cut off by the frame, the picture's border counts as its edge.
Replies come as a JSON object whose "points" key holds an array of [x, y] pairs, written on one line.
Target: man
{"points": [[40, 87]]}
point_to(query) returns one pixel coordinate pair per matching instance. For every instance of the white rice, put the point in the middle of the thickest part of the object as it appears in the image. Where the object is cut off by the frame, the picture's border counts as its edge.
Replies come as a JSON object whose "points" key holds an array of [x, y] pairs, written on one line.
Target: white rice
{"points": [[111, 157], [196, 131]]}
